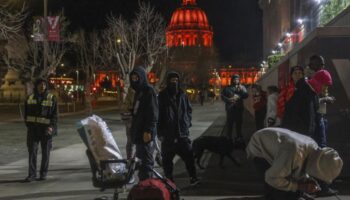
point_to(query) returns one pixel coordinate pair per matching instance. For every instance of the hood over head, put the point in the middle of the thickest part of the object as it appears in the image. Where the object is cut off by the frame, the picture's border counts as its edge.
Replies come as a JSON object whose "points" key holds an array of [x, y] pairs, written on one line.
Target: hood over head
{"points": [[142, 82], [37, 82], [322, 77], [173, 88], [324, 164]]}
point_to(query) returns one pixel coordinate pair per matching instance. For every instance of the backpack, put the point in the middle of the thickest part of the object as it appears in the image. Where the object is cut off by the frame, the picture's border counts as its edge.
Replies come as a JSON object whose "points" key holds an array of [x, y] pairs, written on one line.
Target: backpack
{"points": [[154, 189]]}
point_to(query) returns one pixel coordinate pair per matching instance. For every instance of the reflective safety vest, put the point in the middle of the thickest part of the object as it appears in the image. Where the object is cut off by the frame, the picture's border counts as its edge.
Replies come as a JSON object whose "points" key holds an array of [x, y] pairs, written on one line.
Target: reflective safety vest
{"points": [[47, 103]]}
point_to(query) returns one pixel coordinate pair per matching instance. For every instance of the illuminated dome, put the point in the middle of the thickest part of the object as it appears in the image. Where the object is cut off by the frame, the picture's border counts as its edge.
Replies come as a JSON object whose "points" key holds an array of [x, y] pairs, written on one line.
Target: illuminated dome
{"points": [[189, 26]]}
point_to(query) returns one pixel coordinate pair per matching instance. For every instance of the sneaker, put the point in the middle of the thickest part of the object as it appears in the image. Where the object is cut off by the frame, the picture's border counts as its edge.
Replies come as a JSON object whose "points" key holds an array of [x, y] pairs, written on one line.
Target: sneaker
{"points": [[326, 193], [29, 179], [194, 181], [42, 178]]}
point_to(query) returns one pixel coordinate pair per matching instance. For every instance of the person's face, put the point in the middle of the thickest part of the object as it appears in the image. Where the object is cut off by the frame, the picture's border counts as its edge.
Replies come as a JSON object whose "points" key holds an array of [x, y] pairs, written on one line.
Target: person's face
{"points": [[174, 80], [41, 87], [297, 75], [134, 78], [236, 81], [315, 65]]}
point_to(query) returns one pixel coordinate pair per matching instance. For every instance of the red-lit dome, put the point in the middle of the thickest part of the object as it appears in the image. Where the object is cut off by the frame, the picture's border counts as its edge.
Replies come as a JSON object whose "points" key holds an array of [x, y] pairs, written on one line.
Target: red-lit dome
{"points": [[189, 26]]}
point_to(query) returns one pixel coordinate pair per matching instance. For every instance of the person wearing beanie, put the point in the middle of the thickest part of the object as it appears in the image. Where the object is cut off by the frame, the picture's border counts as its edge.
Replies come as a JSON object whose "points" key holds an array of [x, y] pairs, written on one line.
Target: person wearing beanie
{"points": [[40, 116], [300, 111], [175, 115], [291, 164], [143, 128], [233, 96]]}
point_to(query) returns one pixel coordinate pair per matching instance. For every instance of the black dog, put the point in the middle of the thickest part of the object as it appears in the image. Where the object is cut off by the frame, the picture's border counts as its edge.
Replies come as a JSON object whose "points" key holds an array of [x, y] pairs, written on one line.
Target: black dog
{"points": [[219, 145]]}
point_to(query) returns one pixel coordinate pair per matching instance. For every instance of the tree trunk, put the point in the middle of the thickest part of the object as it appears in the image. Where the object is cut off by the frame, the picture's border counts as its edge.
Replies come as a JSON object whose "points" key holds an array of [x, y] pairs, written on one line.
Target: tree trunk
{"points": [[89, 100]]}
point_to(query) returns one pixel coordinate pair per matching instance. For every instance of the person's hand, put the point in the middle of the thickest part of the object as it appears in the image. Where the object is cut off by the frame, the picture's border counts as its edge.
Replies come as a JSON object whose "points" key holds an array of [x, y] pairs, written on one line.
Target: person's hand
{"points": [[147, 137], [49, 131], [309, 186], [330, 99]]}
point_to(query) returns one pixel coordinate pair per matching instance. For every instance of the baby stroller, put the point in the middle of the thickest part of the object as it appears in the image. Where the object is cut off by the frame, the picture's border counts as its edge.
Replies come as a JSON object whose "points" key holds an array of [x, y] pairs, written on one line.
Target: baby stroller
{"points": [[108, 168], [99, 180]]}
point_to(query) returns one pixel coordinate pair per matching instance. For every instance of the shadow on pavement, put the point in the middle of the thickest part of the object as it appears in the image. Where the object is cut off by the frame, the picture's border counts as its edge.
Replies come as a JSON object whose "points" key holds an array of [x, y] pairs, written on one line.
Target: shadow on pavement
{"points": [[12, 181]]}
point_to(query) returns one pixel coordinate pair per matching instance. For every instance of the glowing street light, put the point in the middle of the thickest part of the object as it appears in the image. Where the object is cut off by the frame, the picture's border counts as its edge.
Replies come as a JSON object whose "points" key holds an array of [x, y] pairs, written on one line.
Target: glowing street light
{"points": [[280, 44], [274, 52], [288, 34]]}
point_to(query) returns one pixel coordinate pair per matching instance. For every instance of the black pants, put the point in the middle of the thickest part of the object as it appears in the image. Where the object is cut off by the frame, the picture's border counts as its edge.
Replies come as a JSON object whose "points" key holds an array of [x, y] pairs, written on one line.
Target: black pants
{"points": [[36, 135], [183, 148], [259, 118], [234, 115], [271, 193], [145, 153]]}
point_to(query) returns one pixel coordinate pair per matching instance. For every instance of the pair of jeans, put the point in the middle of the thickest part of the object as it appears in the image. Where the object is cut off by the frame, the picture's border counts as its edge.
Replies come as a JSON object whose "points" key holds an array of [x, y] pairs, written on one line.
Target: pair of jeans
{"points": [[234, 116], [144, 152], [320, 135], [36, 135], [183, 148]]}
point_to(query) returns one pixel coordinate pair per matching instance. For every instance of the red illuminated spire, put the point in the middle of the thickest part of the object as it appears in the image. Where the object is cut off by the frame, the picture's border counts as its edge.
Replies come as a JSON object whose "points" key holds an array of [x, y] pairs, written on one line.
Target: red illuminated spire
{"points": [[188, 2]]}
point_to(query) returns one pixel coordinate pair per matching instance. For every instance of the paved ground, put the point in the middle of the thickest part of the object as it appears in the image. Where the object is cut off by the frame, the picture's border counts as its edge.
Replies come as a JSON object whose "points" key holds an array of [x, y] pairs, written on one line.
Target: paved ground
{"points": [[70, 177]]}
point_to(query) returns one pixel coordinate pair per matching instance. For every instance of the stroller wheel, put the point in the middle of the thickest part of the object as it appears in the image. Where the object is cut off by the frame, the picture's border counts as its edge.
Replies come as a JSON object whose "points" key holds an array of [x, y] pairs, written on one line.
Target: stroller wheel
{"points": [[115, 196]]}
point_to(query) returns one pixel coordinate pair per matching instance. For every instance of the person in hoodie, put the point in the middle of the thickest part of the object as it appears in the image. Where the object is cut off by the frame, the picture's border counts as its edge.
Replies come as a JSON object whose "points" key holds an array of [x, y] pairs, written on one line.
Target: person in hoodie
{"points": [[300, 111], [233, 96], [175, 115], [40, 116], [144, 121], [289, 163]]}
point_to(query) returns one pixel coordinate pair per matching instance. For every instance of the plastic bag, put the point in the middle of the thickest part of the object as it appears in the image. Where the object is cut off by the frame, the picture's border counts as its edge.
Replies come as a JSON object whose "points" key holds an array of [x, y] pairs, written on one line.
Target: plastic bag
{"points": [[99, 140]]}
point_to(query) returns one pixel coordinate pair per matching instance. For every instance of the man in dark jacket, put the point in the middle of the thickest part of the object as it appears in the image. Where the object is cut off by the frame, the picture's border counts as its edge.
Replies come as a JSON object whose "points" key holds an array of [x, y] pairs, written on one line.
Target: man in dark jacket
{"points": [[300, 111], [233, 97], [41, 120], [144, 121], [175, 115]]}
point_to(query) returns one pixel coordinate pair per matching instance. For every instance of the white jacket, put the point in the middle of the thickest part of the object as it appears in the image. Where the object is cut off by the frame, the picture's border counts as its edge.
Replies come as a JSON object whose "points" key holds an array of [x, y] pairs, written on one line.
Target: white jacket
{"points": [[292, 157], [271, 108]]}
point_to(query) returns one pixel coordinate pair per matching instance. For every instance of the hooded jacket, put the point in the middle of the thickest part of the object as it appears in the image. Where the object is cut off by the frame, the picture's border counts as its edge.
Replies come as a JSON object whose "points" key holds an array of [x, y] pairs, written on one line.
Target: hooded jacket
{"points": [[292, 157], [232, 90], [175, 112], [145, 108], [300, 110], [40, 110]]}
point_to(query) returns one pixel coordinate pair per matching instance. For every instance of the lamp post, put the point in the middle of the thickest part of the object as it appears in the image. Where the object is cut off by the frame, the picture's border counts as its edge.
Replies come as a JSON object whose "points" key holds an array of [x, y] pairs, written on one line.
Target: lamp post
{"points": [[77, 71]]}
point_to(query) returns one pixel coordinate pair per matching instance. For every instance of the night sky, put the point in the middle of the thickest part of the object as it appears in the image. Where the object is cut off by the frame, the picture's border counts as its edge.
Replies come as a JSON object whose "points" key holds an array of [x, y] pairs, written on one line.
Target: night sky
{"points": [[237, 24]]}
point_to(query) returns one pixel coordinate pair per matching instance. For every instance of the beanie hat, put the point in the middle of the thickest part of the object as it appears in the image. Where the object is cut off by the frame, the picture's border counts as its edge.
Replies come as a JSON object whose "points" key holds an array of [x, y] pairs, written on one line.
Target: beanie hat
{"points": [[324, 164], [322, 77]]}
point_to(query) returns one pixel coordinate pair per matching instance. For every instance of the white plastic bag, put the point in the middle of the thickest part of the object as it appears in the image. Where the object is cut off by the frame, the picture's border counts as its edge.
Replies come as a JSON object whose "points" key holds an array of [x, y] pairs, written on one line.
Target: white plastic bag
{"points": [[102, 145]]}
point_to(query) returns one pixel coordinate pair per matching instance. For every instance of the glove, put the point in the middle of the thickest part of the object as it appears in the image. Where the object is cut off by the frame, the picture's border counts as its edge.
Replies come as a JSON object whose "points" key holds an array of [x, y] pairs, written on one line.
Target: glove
{"points": [[270, 121], [147, 137], [49, 131]]}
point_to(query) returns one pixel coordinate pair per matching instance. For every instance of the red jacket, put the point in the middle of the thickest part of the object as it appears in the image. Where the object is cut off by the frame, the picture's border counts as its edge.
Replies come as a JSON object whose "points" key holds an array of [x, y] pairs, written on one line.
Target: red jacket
{"points": [[283, 97]]}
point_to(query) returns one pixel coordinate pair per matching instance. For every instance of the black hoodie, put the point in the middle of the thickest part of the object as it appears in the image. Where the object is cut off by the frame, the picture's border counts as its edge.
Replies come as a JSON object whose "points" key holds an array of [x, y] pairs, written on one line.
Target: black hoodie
{"points": [[145, 108], [175, 112]]}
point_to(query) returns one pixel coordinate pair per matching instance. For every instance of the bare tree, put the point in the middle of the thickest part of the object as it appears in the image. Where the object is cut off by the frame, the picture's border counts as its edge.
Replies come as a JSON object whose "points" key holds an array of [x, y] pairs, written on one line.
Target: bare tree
{"points": [[26, 55], [88, 49], [11, 23], [141, 39], [152, 34]]}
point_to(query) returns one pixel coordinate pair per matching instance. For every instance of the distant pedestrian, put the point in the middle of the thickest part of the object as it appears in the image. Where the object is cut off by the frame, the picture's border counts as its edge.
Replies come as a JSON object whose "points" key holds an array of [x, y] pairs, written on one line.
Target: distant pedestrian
{"points": [[40, 117], [175, 115], [201, 96], [144, 121], [271, 113], [211, 96], [259, 105], [233, 96], [286, 93], [126, 116], [291, 164]]}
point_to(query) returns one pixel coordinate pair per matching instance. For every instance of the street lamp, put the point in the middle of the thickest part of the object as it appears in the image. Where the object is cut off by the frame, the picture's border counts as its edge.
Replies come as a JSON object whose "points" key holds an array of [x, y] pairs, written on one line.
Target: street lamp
{"points": [[77, 71]]}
